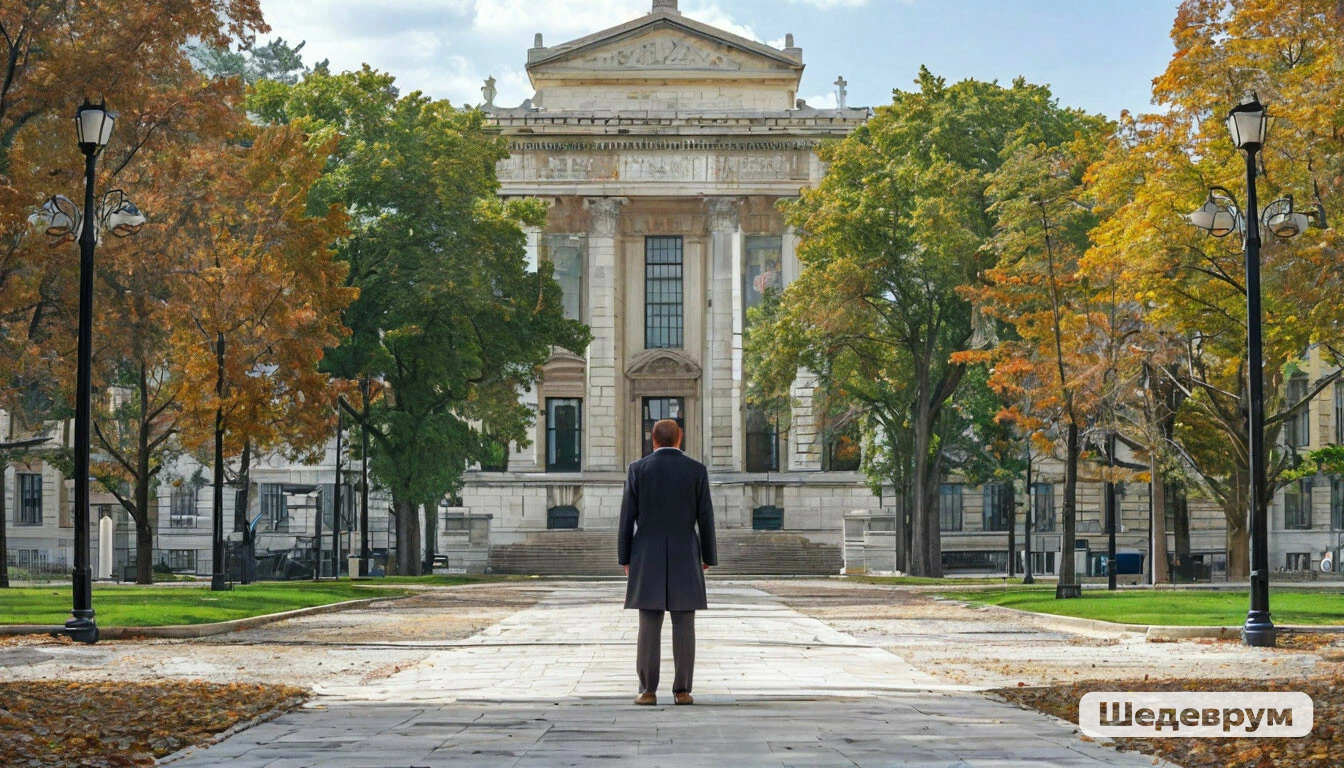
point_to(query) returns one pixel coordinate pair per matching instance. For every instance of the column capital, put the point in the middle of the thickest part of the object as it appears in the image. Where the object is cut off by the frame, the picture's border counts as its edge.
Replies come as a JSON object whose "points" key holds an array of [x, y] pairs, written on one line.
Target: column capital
{"points": [[605, 213], [725, 213]]}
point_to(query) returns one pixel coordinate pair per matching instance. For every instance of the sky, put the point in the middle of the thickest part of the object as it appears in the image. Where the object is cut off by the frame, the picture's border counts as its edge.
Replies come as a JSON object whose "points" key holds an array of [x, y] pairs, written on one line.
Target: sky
{"points": [[1098, 55]]}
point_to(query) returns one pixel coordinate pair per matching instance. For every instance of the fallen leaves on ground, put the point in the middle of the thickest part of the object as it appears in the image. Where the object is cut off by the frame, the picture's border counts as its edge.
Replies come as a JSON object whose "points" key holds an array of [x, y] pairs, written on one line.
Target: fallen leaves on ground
{"points": [[1324, 747], [56, 724]]}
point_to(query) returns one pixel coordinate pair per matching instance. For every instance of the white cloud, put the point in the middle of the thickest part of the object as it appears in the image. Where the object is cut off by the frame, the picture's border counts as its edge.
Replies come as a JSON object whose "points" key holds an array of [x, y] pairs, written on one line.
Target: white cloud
{"points": [[447, 48], [827, 5], [827, 101]]}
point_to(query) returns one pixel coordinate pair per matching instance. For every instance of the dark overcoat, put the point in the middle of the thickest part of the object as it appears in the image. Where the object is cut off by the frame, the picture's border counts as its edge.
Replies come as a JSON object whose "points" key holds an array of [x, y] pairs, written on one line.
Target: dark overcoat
{"points": [[666, 500]]}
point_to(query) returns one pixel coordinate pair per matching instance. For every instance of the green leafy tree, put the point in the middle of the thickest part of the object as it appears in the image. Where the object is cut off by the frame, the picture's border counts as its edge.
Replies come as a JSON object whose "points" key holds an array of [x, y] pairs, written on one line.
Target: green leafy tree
{"points": [[449, 318], [901, 222]]}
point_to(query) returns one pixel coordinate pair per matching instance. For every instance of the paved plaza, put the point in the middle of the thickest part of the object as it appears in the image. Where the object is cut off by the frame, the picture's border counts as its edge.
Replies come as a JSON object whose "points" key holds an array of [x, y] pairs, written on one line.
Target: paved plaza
{"points": [[552, 684]]}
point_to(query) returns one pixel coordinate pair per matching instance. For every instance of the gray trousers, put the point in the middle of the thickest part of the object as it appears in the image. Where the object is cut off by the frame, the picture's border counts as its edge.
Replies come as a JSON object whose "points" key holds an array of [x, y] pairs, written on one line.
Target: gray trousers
{"points": [[649, 650]]}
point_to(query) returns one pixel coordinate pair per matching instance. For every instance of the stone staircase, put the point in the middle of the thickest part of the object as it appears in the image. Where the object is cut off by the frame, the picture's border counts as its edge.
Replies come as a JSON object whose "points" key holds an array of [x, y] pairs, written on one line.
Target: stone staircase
{"points": [[593, 553]]}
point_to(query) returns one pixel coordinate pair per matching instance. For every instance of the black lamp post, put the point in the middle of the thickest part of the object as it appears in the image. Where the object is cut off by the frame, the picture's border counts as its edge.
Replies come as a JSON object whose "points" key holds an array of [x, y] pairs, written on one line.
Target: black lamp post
{"points": [[1220, 216], [1029, 522], [93, 124]]}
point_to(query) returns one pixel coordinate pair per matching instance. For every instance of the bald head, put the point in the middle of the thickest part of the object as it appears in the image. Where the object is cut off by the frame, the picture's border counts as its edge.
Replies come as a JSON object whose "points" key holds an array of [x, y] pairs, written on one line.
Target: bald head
{"points": [[666, 434]]}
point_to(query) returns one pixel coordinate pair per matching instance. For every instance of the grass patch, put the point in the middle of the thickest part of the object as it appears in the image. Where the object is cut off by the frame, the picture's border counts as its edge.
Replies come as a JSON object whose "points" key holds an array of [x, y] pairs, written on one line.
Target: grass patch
{"points": [[455, 580], [1183, 608], [925, 581], [143, 606]]}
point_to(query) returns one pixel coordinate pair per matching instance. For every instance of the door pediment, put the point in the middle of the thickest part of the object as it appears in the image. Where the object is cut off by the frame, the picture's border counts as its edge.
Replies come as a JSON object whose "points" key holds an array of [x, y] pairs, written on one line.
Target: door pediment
{"points": [[663, 365]]}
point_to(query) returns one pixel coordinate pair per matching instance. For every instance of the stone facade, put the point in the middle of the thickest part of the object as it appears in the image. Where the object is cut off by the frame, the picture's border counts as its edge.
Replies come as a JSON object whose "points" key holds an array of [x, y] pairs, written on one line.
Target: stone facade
{"points": [[665, 142]]}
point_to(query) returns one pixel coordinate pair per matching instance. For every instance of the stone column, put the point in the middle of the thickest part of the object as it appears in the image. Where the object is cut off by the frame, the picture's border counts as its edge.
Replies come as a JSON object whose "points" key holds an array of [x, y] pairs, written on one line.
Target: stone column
{"points": [[723, 339], [601, 423], [805, 447]]}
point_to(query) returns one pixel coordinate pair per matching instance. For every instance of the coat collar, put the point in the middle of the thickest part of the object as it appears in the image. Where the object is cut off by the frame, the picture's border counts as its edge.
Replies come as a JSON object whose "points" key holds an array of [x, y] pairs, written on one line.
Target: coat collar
{"points": [[668, 450]]}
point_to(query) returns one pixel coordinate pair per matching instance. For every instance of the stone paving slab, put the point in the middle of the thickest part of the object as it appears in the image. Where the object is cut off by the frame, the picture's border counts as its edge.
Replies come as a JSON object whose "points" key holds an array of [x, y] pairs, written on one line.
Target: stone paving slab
{"points": [[552, 686]]}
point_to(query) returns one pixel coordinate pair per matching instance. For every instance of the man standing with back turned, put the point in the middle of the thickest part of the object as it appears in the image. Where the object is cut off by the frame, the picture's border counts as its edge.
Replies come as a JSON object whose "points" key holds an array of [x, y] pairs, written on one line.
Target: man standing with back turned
{"points": [[666, 499]]}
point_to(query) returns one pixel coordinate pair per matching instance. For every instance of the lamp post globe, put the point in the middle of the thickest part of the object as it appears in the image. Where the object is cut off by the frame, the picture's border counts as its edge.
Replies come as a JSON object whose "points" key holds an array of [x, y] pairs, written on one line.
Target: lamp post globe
{"points": [[93, 124], [1248, 124]]}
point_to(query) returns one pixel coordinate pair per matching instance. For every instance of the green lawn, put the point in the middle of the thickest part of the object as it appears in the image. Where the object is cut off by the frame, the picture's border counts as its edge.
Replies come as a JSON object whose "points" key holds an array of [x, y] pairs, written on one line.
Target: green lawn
{"points": [[924, 581], [436, 581], [1183, 608], [132, 606]]}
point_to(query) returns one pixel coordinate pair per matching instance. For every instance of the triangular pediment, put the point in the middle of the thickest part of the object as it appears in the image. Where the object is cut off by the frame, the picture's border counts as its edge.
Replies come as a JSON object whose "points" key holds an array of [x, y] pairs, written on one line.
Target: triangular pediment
{"points": [[663, 43]]}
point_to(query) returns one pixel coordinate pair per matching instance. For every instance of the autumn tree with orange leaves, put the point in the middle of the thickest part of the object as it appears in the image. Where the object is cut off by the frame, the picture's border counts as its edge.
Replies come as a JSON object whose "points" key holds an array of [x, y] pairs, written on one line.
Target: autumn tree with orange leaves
{"points": [[260, 299], [54, 54], [1191, 287], [1050, 369]]}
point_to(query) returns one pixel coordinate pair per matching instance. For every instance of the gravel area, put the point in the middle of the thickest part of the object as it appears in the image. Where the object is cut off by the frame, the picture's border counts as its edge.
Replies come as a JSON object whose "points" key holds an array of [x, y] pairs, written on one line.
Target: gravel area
{"points": [[995, 648]]}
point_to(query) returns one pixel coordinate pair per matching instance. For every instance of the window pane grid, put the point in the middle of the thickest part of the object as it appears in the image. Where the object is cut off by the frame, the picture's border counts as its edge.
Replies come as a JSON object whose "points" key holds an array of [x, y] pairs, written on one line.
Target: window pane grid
{"points": [[663, 296], [657, 409], [998, 505], [1043, 506], [949, 507], [30, 499], [1297, 506], [564, 435]]}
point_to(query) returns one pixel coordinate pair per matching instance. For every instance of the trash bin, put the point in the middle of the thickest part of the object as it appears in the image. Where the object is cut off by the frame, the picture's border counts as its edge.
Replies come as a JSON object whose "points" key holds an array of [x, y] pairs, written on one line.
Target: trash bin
{"points": [[352, 565]]}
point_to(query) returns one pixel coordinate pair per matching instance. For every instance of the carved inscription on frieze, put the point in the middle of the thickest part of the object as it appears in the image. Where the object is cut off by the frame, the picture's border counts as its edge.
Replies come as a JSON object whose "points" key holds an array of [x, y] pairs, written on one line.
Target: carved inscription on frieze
{"points": [[661, 52], [636, 167]]}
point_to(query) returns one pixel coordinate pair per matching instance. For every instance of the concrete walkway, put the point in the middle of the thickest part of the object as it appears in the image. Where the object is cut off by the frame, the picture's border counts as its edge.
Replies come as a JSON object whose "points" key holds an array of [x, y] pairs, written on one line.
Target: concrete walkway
{"points": [[552, 685]]}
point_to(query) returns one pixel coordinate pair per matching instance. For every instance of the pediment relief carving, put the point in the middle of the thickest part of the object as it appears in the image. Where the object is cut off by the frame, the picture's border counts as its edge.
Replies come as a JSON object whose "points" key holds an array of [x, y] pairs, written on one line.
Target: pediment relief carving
{"points": [[663, 365], [661, 52], [663, 45]]}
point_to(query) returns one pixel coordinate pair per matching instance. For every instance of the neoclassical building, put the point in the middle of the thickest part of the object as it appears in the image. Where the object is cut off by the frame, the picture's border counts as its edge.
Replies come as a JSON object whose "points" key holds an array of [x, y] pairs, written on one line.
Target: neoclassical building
{"points": [[662, 147]]}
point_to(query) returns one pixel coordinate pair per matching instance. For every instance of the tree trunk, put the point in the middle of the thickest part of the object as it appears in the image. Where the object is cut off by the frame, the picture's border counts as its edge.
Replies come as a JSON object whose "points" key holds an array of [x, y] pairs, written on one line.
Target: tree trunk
{"points": [[1157, 488], [1180, 523], [1238, 543], [241, 515], [431, 535], [144, 521], [4, 542], [408, 538], [926, 550], [144, 550], [1068, 578]]}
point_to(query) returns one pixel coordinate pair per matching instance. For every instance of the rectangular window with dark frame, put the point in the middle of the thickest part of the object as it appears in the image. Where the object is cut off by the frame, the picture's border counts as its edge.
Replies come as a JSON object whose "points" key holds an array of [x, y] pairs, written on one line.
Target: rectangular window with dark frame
{"points": [[1337, 504], [1043, 507], [663, 293], [762, 442], [657, 409], [182, 507], [949, 507], [762, 274], [568, 254], [1299, 561], [1297, 429], [564, 434], [1339, 413], [998, 501], [179, 560], [275, 506], [30, 499], [1297, 506]]}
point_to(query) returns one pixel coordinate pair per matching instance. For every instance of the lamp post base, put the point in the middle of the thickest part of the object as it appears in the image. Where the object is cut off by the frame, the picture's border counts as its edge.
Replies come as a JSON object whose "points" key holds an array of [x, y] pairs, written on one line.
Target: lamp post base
{"points": [[1259, 631], [1028, 579], [81, 627]]}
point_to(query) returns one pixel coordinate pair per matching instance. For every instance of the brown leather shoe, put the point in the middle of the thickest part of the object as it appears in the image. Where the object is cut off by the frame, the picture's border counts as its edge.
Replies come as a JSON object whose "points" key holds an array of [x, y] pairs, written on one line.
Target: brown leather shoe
{"points": [[684, 699], [646, 700]]}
